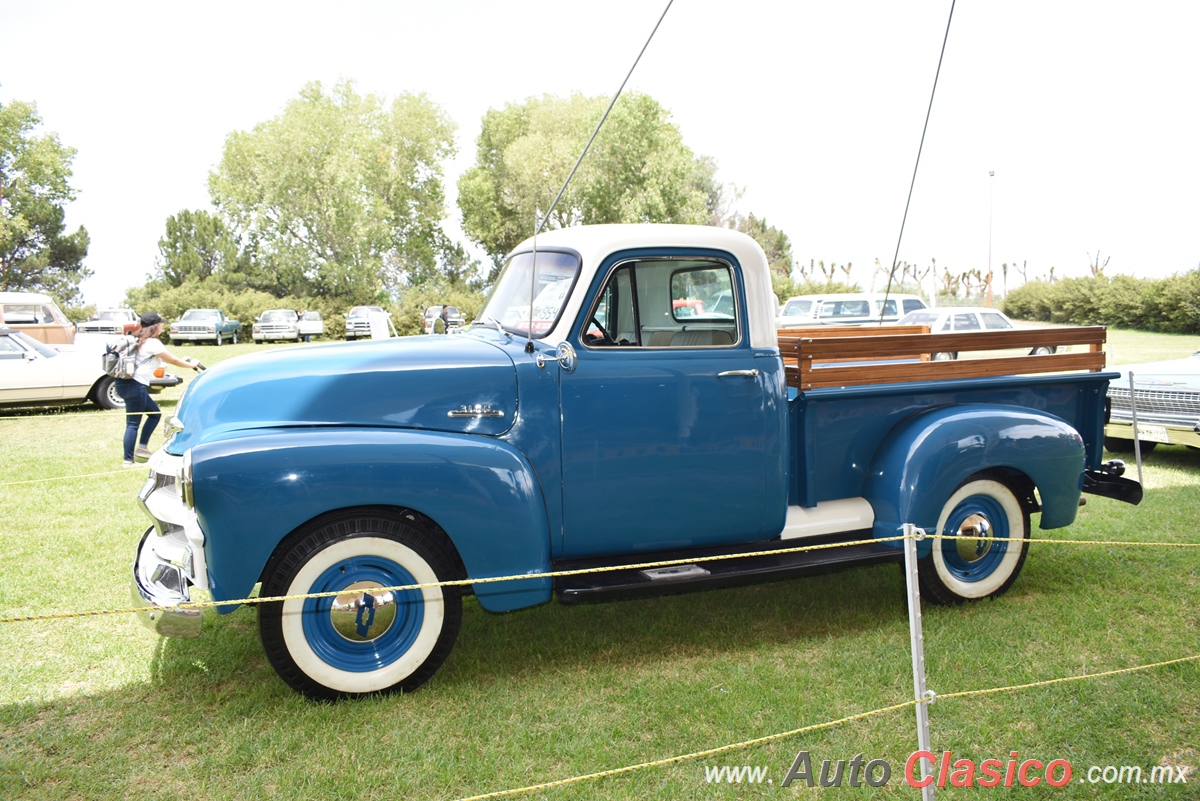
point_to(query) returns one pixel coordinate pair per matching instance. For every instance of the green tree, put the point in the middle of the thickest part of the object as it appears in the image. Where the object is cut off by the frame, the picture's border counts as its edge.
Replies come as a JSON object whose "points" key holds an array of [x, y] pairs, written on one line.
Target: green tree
{"points": [[196, 245], [638, 170], [340, 195], [35, 252], [774, 242]]}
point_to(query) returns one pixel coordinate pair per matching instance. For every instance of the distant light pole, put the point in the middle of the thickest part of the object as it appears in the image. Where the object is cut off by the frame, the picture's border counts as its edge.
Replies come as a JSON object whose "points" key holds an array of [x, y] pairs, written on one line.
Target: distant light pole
{"points": [[991, 195]]}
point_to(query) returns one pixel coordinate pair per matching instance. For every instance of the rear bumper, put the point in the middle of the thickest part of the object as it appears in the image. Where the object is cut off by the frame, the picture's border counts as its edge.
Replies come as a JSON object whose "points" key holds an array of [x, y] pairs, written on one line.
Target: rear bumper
{"points": [[1155, 432]]}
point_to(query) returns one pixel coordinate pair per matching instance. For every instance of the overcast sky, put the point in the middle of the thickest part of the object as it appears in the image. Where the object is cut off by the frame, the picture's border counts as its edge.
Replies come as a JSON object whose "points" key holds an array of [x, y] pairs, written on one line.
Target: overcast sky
{"points": [[1087, 112]]}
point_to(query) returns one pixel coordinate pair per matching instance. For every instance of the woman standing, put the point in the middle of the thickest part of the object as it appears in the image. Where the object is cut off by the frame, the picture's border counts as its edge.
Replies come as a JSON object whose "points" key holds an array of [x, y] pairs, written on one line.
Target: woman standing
{"points": [[149, 356]]}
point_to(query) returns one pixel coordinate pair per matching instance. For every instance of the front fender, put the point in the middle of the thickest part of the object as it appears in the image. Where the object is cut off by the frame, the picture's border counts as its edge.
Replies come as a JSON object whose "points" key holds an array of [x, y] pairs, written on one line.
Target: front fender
{"points": [[928, 455], [255, 487]]}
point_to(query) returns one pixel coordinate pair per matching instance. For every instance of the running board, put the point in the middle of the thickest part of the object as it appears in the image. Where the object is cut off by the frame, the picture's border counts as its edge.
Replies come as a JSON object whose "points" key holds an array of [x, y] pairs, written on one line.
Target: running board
{"points": [[688, 577]]}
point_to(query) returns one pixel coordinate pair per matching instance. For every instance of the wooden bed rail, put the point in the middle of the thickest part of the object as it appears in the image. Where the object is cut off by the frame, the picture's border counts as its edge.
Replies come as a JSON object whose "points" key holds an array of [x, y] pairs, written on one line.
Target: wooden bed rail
{"points": [[835, 357]]}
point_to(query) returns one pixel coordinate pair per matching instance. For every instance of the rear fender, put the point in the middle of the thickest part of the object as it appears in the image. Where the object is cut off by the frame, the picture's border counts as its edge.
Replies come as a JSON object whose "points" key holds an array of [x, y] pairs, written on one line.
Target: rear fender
{"points": [[253, 488], [928, 455]]}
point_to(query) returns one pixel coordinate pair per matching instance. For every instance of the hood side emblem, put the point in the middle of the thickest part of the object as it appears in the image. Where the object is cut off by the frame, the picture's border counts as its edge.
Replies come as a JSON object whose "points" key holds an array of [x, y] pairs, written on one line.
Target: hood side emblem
{"points": [[478, 410]]}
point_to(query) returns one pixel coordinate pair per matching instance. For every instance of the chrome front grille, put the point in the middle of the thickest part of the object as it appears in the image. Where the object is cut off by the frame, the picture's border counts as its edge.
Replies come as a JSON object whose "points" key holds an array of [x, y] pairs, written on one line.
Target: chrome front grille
{"points": [[194, 329], [1180, 407]]}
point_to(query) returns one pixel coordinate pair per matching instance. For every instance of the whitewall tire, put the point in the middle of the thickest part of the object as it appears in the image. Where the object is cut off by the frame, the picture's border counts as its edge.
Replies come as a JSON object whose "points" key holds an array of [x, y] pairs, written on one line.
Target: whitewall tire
{"points": [[367, 639], [969, 569]]}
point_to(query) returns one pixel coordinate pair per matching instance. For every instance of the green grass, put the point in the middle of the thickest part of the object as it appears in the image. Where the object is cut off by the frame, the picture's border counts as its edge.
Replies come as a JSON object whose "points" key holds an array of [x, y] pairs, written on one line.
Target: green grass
{"points": [[101, 708]]}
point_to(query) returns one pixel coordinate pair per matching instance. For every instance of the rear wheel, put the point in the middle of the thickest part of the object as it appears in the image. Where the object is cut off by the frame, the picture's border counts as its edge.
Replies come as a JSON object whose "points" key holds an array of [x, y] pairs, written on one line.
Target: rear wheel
{"points": [[234, 338], [366, 639], [1042, 351], [105, 394], [969, 569], [944, 357]]}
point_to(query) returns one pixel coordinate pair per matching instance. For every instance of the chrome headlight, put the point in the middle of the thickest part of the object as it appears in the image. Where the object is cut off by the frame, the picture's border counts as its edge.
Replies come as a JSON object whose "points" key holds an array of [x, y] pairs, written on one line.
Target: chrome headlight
{"points": [[185, 481]]}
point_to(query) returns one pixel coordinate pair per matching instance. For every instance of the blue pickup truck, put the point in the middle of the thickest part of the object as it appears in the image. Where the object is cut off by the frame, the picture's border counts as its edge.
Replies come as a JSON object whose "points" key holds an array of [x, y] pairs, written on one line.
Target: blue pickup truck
{"points": [[591, 416]]}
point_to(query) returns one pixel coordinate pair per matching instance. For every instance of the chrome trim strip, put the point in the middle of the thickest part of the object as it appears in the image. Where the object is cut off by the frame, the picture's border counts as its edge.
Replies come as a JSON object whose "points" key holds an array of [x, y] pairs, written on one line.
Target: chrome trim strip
{"points": [[478, 410]]}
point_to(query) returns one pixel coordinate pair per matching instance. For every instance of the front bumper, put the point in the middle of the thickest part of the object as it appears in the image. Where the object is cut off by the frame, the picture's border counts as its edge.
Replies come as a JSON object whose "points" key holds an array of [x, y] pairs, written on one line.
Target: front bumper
{"points": [[190, 337], [159, 583], [170, 562]]}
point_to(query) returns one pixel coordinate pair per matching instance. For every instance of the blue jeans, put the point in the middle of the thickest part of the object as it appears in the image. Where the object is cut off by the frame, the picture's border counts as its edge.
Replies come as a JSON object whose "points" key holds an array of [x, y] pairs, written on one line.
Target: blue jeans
{"points": [[137, 402]]}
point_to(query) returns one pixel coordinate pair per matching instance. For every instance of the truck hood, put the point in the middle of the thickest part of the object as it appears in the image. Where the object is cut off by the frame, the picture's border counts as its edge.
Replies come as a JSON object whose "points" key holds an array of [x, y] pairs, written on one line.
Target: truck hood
{"points": [[455, 384]]}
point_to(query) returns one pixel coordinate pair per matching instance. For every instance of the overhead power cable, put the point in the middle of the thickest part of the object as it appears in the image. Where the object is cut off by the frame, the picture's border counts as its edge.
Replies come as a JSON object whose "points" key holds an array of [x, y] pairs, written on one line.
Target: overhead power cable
{"points": [[920, 147]]}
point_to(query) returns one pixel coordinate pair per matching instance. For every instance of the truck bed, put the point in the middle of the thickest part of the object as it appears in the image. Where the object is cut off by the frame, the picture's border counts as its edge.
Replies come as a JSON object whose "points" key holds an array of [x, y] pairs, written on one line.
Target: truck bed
{"points": [[849, 388]]}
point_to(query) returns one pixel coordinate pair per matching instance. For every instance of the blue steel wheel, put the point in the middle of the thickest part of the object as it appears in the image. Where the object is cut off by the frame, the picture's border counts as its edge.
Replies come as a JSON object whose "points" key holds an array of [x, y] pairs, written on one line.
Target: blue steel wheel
{"points": [[367, 638], [987, 563]]}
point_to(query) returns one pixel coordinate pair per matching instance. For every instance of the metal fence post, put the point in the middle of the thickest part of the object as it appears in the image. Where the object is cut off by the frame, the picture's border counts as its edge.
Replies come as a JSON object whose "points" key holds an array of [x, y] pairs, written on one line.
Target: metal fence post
{"points": [[1137, 440], [917, 643]]}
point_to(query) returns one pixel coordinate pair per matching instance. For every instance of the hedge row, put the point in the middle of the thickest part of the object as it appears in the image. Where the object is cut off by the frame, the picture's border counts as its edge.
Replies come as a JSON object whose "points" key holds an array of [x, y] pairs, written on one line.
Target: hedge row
{"points": [[1170, 305]]}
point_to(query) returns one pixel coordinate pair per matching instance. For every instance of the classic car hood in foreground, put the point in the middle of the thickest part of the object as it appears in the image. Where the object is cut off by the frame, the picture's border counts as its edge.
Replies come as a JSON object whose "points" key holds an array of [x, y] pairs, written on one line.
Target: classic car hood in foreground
{"points": [[420, 382], [1181, 373]]}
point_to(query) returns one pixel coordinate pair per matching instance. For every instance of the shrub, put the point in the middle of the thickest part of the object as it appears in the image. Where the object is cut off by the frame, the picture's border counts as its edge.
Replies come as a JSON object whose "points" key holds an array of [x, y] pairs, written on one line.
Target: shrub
{"points": [[1166, 304]]}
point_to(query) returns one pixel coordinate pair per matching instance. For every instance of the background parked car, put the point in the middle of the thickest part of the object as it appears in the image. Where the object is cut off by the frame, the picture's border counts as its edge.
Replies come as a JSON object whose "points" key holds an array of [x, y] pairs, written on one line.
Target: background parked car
{"points": [[962, 319], [276, 324], [37, 316], [358, 321], [109, 321], [1167, 394], [311, 325], [456, 319], [35, 374], [846, 308], [205, 325]]}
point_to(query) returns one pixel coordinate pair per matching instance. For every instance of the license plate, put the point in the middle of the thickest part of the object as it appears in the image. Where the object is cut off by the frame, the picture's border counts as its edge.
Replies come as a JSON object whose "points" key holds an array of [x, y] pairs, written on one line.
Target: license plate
{"points": [[1153, 433]]}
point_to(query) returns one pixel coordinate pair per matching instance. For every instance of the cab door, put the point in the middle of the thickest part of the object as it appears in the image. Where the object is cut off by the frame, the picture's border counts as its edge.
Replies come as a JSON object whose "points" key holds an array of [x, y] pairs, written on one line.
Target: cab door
{"points": [[663, 419]]}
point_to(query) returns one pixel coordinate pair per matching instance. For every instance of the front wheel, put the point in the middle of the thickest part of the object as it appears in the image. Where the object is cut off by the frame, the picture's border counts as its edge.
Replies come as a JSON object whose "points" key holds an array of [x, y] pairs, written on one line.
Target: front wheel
{"points": [[366, 639], [218, 343], [1042, 351], [970, 569], [106, 396], [944, 357]]}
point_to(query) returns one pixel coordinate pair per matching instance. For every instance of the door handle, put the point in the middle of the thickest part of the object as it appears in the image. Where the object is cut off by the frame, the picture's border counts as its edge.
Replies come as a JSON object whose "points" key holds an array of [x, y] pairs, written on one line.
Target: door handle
{"points": [[743, 373]]}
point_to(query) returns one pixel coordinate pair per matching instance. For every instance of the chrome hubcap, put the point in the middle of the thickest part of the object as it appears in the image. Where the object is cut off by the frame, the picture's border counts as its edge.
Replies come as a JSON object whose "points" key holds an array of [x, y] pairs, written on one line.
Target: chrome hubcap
{"points": [[977, 526], [362, 612]]}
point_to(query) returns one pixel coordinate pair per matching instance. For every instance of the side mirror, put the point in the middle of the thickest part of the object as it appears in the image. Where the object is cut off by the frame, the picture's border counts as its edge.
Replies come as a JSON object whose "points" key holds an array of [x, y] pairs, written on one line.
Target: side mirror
{"points": [[564, 354], [30, 356]]}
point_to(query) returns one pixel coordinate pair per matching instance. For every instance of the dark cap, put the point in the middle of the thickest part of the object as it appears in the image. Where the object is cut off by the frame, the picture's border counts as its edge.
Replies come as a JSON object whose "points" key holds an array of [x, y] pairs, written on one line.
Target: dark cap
{"points": [[150, 318]]}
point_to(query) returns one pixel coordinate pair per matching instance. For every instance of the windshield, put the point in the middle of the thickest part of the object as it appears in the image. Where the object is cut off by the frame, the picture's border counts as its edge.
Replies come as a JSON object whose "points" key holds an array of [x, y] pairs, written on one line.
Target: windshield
{"points": [[30, 342], [509, 303], [201, 314], [112, 315], [282, 315], [797, 308], [363, 311]]}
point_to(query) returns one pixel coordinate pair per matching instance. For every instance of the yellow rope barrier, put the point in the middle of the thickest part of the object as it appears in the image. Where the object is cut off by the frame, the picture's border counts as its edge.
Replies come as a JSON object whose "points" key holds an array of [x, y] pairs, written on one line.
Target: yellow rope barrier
{"points": [[1048, 682], [452, 583], [64, 478], [815, 727], [564, 573], [694, 755]]}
